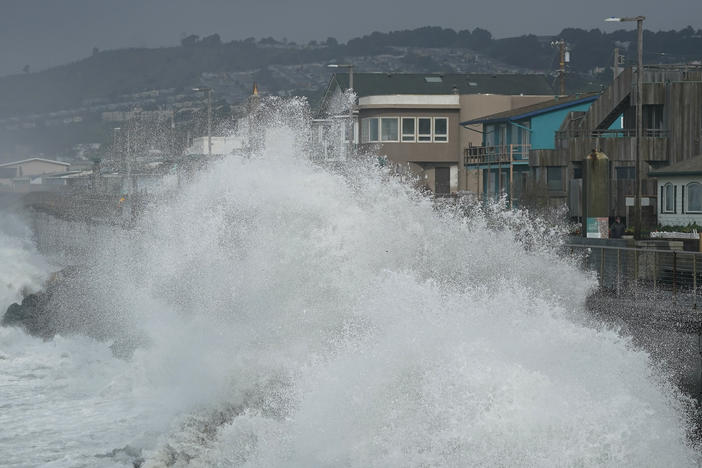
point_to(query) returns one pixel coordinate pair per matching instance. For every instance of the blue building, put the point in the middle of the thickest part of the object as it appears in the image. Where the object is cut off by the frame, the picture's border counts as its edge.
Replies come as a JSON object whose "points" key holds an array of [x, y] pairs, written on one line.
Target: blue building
{"points": [[510, 139]]}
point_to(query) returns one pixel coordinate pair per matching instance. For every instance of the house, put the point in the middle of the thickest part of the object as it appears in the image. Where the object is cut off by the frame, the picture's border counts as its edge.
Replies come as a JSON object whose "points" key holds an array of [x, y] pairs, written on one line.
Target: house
{"points": [[679, 188], [672, 133], [518, 148], [27, 174], [413, 119]]}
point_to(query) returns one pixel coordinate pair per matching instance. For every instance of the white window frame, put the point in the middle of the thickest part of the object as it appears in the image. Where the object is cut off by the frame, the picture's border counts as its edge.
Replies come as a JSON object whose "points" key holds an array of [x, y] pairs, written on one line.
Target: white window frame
{"points": [[412, 137], [380, 129], [429, 135], [664, 208], [366, 134], [687, 197], [433, 130]]}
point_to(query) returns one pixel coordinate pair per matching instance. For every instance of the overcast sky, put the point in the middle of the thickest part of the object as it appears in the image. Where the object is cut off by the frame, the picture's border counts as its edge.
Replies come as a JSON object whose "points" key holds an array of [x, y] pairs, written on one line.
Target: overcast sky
{"points": [[43, 33]]}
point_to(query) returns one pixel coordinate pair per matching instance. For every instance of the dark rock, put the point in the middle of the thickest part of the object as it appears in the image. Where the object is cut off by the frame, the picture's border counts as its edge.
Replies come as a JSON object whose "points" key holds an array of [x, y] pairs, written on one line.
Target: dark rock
{"points": [[33, 315]]}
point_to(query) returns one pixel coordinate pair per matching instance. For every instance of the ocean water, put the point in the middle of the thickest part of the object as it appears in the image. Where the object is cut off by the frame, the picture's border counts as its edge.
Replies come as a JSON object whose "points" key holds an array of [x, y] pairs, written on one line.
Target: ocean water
{"points": [[289, 314]]}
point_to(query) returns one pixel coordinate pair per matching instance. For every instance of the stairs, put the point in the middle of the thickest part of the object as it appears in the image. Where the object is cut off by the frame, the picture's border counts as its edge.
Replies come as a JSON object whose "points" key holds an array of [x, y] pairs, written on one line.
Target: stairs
{"points": [[612, 103]]}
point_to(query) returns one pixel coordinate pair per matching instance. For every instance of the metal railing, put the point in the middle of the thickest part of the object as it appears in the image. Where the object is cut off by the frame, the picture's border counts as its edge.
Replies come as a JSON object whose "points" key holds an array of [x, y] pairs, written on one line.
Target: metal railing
{"points": [[474, 155], [621, 268], [611, 133]]}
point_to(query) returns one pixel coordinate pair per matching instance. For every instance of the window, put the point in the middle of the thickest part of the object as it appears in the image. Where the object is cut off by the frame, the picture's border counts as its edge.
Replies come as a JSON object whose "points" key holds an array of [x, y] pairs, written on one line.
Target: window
{"points": [[388, 129], [370, 130], [424, 129], [554, 178], [694, 197], [433, 79], [668, 202], [625, 173], [408, 125], [441, 129]]}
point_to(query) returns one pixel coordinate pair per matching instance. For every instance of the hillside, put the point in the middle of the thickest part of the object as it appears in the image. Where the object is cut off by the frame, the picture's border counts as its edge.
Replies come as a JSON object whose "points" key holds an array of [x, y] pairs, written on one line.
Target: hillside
{"points": [[77, 95]]}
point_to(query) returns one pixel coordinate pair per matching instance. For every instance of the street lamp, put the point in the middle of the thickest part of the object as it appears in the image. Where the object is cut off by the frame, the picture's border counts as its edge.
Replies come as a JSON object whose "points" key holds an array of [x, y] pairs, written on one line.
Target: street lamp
{"points": [[639, 116], [208, 92], [115, 130], [350, 67]]}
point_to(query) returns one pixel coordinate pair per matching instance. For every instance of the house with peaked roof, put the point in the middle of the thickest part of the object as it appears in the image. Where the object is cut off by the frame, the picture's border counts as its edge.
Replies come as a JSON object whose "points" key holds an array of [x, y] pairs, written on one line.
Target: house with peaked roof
{"points": [[672, 133], [413, 118], [20, 175], [518, 145], [679, 188]]}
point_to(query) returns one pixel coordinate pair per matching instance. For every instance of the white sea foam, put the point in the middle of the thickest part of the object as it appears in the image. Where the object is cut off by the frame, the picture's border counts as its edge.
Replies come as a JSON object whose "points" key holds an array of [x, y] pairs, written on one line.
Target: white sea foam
{"points": [[298, 316]]}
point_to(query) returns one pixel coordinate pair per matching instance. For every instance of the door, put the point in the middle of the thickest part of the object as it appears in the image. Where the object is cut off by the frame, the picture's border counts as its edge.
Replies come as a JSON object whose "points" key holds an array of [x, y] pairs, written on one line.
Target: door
{"points": [[442, 181]]}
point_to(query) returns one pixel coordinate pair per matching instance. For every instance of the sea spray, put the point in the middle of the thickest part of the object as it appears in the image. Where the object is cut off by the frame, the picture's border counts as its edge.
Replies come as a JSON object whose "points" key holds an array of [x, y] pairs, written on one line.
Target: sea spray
{"points": [[301, 315]]}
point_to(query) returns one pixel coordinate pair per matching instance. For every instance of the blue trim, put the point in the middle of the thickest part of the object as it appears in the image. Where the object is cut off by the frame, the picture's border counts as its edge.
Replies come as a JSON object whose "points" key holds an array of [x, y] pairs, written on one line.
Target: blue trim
{"points": [[532, 113]]}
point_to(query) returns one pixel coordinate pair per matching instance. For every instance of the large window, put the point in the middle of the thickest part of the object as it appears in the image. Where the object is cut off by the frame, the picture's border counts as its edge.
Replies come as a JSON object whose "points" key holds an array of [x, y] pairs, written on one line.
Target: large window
{"points": [[405, 129], [694, 198], [554, 178], [424, 129], [370, 130], [388, 129], [441, 129], [625, 173], [408, 128], [668, 198]]}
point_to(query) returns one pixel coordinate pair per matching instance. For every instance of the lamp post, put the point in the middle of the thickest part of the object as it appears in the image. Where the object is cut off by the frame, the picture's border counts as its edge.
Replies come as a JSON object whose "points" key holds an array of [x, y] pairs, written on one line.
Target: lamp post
{"points": [[115, 131], [208, 92], [350, 67], [639, 116]]}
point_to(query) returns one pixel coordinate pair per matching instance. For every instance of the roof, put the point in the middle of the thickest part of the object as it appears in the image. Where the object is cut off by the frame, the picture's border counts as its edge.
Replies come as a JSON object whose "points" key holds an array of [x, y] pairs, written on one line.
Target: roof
{"points": [[687, 167], [525, 112], [14, 163], [373, 84]]}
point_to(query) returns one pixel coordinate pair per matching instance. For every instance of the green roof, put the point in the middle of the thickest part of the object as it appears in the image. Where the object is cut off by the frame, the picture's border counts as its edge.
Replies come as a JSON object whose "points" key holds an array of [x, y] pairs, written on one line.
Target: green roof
{"points": [[374, 84], [687, 167]]}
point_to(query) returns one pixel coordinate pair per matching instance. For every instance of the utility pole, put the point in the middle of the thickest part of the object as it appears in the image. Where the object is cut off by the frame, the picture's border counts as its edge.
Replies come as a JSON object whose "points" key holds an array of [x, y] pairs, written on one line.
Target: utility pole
{"points": [[563, 57], [208, 91]]}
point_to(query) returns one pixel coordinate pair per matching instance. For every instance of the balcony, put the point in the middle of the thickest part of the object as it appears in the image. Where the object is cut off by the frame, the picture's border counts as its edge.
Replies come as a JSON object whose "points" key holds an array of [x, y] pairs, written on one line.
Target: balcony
{"points": [[481, 155]]}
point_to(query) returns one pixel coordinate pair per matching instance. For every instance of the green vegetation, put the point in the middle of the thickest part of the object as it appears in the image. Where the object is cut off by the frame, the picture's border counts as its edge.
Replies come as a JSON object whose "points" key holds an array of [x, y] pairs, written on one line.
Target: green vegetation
{"points": [[691, 227]]}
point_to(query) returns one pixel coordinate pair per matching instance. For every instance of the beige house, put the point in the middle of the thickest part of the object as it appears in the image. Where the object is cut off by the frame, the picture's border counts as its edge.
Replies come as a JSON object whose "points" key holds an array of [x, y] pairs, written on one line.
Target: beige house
{"points": [[413, 119], [27, 174]]}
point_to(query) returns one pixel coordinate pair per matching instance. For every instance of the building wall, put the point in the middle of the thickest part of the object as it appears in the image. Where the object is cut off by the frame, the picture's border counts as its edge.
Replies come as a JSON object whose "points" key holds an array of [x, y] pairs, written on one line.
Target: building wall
{"points": [[33, 168], [478, 105], [677, 218], [420, 153], [544, 126]]}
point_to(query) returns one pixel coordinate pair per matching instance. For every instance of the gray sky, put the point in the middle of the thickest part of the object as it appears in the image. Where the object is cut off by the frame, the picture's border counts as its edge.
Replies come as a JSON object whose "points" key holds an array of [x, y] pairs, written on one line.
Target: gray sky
{"points": [[43, 33]]}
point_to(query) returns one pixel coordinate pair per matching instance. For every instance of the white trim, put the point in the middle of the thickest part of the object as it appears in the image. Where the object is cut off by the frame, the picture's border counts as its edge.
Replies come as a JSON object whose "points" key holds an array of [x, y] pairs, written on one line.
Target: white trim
{"points": [[35, 159], [433, 130], [412, 135], [411, 99], [665, 209], [687, 198], [380, 128]]}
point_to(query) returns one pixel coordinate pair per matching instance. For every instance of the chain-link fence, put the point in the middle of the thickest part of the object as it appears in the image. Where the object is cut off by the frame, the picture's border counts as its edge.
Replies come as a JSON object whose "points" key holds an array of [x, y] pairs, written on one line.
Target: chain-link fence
{"points": [[675, 272]]}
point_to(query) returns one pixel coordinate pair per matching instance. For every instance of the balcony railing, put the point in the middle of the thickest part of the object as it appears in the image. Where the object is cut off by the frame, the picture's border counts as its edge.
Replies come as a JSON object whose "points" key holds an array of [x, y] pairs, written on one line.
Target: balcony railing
{"points": [[613, 133], [476, 155]]}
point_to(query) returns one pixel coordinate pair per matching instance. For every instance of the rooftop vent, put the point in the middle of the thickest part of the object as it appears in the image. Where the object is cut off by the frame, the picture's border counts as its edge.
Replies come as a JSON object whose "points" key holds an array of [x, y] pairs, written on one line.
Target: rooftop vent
{"points": [[433, 79]]}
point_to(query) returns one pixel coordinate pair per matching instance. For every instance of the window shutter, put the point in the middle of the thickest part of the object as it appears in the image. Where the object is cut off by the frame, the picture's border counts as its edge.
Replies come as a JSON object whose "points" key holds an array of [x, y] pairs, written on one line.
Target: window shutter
{"points": [[662, 199], [682, 193], [675, 198]]}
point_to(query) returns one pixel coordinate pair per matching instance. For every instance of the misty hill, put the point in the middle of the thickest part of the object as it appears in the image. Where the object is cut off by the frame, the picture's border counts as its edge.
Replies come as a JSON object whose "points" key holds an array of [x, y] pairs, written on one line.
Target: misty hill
{"points": [[67, 103], [117, 72]]}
